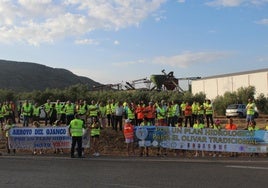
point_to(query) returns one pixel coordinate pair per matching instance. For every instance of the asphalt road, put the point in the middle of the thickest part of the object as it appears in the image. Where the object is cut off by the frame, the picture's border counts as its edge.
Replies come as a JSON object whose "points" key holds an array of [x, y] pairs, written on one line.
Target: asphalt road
{"points": [[124, 172]]}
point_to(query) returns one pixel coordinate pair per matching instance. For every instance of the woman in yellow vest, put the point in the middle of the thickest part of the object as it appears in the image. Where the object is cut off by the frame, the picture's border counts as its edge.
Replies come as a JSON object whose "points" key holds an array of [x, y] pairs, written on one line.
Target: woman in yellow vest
{"points": [[95, 136]]}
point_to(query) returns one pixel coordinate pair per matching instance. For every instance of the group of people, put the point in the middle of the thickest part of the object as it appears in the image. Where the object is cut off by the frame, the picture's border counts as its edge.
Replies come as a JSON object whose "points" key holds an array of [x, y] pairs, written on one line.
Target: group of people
{"points": [[98, 115]]}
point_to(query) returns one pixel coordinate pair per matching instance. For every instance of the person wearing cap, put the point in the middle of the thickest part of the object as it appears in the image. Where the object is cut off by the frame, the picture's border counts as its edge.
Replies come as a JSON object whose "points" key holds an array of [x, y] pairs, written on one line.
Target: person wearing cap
{"points": [[129, 136]]}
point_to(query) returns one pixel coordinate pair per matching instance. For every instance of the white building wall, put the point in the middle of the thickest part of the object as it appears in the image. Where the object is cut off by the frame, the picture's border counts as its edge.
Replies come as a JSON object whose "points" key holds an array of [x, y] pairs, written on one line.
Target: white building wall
{"points": [[218, 85]]}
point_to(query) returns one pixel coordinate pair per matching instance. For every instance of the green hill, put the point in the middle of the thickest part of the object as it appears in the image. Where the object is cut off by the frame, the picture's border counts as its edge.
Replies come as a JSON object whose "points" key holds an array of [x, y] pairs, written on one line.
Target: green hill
{"points": [[25, 76]]}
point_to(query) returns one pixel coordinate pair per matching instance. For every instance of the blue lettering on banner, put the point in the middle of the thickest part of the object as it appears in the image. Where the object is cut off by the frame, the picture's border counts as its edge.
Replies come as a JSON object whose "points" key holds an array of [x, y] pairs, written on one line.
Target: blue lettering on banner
{"points": [[56, 131], [38, 131], [21, 132], [42, 137]]}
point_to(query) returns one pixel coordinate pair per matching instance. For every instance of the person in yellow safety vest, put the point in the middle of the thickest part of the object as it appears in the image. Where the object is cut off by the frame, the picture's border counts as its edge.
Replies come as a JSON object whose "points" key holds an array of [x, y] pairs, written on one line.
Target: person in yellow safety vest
{"points": [[161, 112], [76, 132], [95, 129], [63, 114], [250, 111], [252, 127], [209, 113], [200, 112], [58, 107], [70, 111], [113, 116], [183, 105], [7, 127], [102, 114], [7, 110], [194, 111], [170, 115], [26, 112], [130, 111], [93, 110], [109, 113], [1, 116], [198, 125], [47, 108], [36, 112], [83, 110], [266, 127]]}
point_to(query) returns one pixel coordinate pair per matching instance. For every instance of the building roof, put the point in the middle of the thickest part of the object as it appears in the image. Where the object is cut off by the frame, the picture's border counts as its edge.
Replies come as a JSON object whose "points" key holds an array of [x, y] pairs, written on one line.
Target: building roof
{"points": [[235, 74]]}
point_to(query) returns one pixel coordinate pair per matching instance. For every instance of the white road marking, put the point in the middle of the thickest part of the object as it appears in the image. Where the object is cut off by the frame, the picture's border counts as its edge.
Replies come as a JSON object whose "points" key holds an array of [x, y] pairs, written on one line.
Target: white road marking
{"points": [[248, 167], [121, 185]]}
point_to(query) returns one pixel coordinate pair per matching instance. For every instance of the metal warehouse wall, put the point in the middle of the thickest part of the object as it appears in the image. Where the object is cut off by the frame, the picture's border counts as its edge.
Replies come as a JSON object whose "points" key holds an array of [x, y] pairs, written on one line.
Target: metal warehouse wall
{"points": [[218, 85]]}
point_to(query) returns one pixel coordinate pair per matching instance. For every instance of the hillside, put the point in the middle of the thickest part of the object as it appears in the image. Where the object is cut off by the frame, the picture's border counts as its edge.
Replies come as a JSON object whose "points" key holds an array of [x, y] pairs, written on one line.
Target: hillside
{"points": [[24, 76]]}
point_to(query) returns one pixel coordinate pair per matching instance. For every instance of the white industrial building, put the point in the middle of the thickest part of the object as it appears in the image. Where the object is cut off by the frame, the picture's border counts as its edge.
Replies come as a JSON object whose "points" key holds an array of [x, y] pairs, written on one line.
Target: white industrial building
{"points": [[214, 86]]}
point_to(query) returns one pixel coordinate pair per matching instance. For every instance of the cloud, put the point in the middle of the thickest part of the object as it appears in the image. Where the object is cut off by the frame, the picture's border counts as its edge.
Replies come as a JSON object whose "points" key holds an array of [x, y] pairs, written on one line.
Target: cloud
{"points": [[263, 22], [127, 63], [234, 3], [46, 21], [183, 60], [86, 41], [187, 59], [116, 42]]}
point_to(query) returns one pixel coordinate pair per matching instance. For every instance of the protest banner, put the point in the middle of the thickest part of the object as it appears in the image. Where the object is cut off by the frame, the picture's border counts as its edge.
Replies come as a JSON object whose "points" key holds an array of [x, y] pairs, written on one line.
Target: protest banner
{"points": [[203, 139], [43, 138]]}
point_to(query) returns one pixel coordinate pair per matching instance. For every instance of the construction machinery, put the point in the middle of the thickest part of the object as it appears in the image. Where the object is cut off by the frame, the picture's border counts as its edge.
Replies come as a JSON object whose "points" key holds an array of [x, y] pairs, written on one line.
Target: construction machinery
{"points": [[133, 84], [169, 82]]}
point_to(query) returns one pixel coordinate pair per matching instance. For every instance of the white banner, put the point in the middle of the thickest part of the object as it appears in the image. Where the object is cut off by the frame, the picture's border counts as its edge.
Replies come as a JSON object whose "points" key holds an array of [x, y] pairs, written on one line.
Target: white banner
{"points": [[43, 138]]}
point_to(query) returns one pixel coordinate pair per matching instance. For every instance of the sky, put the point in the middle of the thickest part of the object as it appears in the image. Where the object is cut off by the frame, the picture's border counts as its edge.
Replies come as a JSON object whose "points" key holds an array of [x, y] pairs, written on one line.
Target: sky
{"points": [[118, 41]]}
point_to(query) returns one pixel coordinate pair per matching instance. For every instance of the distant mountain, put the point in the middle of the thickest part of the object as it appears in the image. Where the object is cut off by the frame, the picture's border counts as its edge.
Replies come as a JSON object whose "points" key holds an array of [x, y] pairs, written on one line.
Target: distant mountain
{"points": [[24, 76]]}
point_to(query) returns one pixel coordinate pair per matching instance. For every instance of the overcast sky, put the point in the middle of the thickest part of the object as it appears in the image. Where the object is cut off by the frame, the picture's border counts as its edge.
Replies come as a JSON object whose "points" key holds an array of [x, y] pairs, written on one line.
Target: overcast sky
{"points": [[113, 41]]}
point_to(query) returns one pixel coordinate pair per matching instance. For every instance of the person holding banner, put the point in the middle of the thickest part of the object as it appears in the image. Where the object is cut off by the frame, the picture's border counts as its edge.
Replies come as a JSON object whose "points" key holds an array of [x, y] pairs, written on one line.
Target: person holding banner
{"points": [[95, 129], [231, 126], [7, 127], [36, 124], [76, 132], [198, 125], [142, 148], [217, 126], [129, 136]]}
